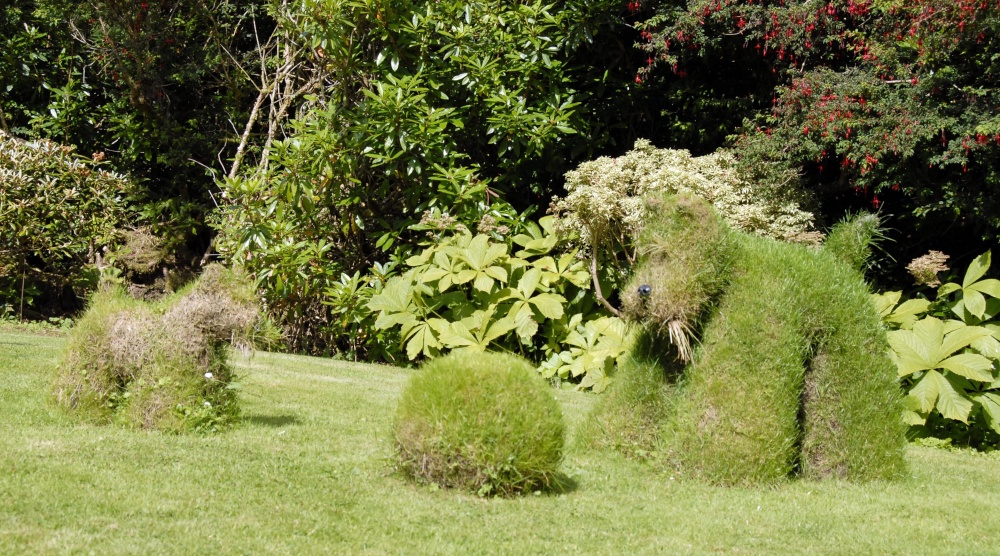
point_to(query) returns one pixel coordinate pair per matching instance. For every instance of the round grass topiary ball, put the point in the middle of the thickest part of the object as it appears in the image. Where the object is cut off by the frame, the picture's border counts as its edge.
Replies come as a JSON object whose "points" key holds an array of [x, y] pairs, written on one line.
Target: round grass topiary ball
{"points": [[484, 422]]}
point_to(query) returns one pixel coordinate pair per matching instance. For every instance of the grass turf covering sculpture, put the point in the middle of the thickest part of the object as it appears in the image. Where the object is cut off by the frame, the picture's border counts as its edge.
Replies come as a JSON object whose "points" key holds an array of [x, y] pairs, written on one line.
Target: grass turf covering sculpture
{"points": [[159, 365], [483, 422], [791, 375]]}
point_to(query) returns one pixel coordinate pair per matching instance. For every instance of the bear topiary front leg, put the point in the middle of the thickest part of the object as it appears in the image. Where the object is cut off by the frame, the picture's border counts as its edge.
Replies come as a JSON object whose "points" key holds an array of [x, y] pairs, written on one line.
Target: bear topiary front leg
{"points": [[851, 400], [737, 420]]}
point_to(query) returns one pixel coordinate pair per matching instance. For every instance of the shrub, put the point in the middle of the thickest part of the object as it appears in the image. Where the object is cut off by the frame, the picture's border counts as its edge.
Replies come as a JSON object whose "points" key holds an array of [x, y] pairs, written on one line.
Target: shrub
{"points": [[58, 213], [470, 292], [948, 365], [160, 366], [605, 202], [480, 422]]}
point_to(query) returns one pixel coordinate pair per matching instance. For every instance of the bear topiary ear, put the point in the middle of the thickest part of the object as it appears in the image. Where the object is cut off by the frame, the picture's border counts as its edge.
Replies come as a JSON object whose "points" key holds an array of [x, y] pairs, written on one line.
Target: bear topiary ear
{"points": [[684, 255], [851, 240]]}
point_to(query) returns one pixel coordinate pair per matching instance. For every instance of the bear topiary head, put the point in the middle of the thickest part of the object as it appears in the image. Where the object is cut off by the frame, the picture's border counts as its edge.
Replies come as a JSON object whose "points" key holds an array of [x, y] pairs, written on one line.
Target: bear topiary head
{"points": [[683, 264], [484, 422]]}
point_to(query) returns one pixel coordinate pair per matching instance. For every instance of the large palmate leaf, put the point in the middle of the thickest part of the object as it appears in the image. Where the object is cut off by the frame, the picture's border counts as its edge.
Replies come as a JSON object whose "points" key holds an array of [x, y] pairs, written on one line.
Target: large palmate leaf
{"points": [[394, 303], [485, 263], [935, 390], [421, 338], [538, 239], [443, 270], [990, 403], [596, 347], [903, 315], [475, 332], [933, 344], [971, 300], [528, 299], [566, 267]]}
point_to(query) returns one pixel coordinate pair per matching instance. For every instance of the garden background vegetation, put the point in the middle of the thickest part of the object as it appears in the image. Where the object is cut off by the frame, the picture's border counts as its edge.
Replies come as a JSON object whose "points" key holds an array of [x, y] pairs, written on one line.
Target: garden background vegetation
{"points": [[367, 160]]}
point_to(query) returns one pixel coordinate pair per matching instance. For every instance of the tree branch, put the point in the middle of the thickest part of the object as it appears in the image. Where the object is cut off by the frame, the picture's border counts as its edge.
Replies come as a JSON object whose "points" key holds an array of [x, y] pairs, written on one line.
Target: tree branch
{"points": [[597, 283]]}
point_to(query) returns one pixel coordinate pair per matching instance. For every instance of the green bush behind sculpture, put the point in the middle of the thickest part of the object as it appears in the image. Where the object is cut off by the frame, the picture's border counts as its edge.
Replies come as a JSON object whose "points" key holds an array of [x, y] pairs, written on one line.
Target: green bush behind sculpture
{"points": [[791, 374]]}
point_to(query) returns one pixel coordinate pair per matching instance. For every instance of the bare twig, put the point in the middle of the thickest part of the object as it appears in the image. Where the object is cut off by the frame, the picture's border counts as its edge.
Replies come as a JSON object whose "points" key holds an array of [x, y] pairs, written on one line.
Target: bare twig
{"points": [[597, 283]]}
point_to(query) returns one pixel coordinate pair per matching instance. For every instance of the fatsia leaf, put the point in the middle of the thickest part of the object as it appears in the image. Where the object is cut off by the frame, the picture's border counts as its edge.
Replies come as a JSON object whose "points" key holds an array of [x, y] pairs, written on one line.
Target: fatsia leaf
{"points": [[990, 403], [913, 418], [909, 365], [977, 268], [475, 253], [388, 320], [884, 302], [935, 391], [959, 338], [906, 314], [988, 346], [498, 329], [990, 287], [550, 305], [456, 334], [930, 333], [433, 274], [524, 320], [463, 276], [946, 289], [974, 302], [422, 340], [926, 390], [395, 297], [483, 283], [953, 403], [528, 282], [497, 272], [907, 345], [969, 365]]}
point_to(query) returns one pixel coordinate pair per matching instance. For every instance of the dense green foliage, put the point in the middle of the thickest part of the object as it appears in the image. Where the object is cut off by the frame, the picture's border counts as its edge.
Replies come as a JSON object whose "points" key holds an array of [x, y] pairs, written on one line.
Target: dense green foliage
{"points": [[59, 215], [160, 366], [946, 352], [439, 110], [480, 422], [155, 85], [881, 103], [465, 292], [317, 143], [784, 381]]}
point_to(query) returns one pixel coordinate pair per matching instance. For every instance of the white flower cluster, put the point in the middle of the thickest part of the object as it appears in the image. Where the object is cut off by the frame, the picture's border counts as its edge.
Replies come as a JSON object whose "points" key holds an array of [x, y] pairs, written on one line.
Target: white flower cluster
{"points": [[605, 196]]}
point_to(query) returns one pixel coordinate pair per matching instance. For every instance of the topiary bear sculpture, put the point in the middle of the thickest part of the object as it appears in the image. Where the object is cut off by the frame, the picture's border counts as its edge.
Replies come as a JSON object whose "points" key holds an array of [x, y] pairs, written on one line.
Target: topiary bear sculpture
{"points": [[791, 375]]}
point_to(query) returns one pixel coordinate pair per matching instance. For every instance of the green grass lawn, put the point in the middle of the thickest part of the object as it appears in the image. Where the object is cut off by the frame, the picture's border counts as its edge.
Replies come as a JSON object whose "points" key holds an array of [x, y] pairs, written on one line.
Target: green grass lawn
{"points": [[307, 471]]}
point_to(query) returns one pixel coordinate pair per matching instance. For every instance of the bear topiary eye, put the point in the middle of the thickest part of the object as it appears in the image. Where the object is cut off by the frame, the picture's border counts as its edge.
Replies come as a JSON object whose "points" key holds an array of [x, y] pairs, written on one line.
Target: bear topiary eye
{"points": [[645, 290]]}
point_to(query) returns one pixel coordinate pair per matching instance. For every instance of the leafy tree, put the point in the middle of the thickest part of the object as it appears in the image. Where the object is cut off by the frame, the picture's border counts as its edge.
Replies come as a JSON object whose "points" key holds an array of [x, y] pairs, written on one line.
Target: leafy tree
{"points": [[155, 85], [413, 111]]}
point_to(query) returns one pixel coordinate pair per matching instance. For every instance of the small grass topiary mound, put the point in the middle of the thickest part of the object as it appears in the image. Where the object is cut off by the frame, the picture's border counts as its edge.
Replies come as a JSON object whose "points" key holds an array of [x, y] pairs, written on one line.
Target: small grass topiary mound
{"points": [[159, 366], [483, 422]]}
